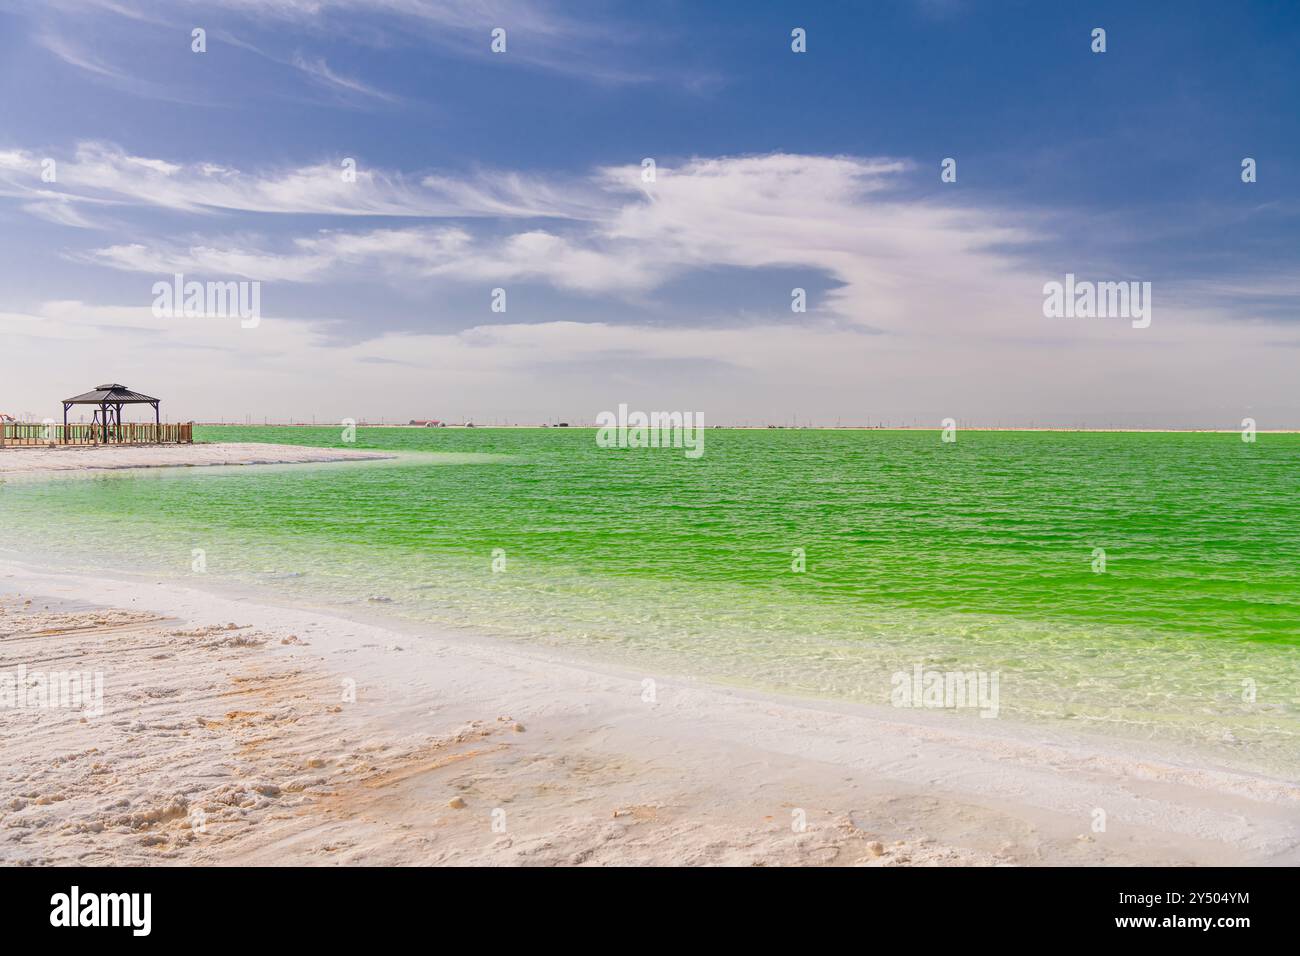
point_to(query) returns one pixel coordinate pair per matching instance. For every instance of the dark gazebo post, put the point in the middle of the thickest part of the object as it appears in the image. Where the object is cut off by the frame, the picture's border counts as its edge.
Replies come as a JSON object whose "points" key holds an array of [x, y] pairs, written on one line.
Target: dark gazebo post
{"points": [[65, 423]]}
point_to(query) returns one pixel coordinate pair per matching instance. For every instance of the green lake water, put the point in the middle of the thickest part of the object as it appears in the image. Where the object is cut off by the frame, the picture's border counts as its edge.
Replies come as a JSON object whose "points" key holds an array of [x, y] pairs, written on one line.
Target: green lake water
{"points": [[979, 555]]}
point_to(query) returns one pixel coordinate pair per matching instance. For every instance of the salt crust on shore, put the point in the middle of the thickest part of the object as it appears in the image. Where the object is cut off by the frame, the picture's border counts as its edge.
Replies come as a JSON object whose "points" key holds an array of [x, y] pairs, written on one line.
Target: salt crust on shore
{"points": [[226, 738], [18, 460]]}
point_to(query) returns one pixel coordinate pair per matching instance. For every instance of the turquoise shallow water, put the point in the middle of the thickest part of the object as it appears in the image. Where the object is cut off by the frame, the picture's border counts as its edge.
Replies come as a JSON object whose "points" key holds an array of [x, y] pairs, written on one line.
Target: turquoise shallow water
{"points": [[973, 556]]}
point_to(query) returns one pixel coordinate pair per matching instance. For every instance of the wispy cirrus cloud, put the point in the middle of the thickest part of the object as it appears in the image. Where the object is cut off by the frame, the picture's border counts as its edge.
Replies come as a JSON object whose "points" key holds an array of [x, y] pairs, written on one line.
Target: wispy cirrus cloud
{"points": [[70, 53], [318, 69], [60, 212], [450, 254], [541, 35], [101, 172]]}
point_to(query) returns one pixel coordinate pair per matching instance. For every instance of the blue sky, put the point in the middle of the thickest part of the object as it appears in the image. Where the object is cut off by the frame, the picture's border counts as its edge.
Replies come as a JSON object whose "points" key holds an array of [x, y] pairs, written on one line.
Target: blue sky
{"points": [[522, 171]]}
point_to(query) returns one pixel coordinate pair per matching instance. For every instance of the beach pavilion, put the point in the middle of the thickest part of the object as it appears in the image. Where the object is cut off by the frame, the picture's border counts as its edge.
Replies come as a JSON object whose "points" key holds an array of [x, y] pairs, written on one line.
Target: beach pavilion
{"points": [[107, 421]]}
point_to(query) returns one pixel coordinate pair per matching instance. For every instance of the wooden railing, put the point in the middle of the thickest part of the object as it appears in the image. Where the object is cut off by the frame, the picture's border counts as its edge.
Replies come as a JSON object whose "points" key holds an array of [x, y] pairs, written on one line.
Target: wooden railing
{"points": [[35, 433]]}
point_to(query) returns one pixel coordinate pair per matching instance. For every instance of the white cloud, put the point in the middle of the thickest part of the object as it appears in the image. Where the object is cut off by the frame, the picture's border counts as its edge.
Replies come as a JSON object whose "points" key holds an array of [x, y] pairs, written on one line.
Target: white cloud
{"points": [[838, 218], [60, 212], [107, 173], [69, 53], [543, 35], [319, 70], [126, 77], [929, 314]]}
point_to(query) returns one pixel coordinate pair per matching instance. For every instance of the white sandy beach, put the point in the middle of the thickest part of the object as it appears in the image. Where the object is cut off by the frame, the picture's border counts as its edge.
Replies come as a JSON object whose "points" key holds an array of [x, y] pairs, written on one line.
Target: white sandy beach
{"points": [[232, 714], [17, 460]]}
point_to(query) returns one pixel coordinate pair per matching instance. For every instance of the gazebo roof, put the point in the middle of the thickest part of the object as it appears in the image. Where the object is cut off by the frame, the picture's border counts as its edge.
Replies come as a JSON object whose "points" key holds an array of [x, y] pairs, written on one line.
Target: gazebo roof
{"points": [[111, 394]]}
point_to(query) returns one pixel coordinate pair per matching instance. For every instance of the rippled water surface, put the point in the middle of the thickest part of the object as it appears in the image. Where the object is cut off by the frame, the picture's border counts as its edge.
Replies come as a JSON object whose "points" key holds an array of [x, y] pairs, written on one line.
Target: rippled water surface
{"points": [[975, 555]]}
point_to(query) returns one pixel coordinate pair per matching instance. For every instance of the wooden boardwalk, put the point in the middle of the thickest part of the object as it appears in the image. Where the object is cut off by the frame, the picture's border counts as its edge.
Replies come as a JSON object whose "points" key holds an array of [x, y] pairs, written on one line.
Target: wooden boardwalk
{"points": [[33, 433]]}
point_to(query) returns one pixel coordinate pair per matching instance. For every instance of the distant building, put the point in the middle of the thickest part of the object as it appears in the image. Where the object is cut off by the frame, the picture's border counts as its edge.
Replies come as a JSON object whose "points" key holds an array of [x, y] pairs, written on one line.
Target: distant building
{"points": [[428, 423]]}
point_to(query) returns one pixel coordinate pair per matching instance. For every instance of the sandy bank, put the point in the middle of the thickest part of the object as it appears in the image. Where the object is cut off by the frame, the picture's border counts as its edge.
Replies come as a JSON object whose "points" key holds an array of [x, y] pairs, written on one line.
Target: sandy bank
{"points": [[35, 460], [243, 733]]}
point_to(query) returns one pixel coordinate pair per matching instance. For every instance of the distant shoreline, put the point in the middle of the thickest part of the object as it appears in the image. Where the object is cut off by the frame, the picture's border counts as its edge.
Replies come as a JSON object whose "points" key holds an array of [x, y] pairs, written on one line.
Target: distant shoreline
{"points": [[788, 428]]}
